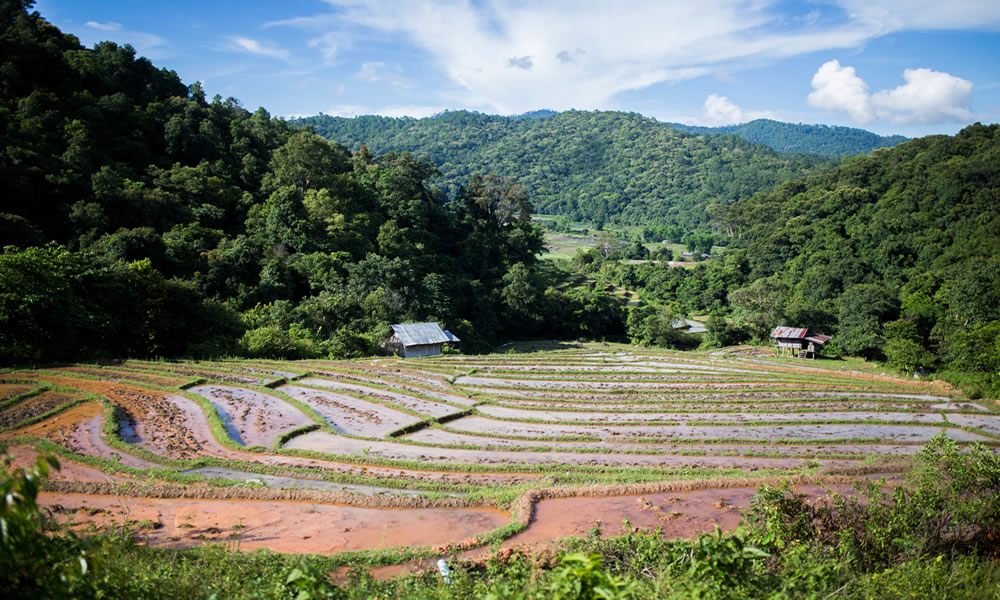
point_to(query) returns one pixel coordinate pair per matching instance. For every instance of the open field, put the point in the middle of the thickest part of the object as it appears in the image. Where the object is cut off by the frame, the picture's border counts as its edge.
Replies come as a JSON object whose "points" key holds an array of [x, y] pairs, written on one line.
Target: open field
{"points": [[455, 452]]}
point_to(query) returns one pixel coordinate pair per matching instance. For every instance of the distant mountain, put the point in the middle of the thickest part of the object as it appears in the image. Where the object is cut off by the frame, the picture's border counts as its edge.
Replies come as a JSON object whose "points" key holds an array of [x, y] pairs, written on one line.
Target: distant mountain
{"points": [[826, 140], [596, 166], [537, 114]]}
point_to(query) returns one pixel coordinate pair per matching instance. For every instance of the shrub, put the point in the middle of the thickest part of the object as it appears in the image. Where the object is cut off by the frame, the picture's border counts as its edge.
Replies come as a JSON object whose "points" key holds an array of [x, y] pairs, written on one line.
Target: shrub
{"points": [[949, 503], [33, 564]]}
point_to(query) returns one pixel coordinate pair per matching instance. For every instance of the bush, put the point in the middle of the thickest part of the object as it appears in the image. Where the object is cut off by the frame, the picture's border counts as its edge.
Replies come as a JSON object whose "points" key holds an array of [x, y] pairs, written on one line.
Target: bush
{"points": [[949, 503], [720, 333], [272, 341], [33, 564]]}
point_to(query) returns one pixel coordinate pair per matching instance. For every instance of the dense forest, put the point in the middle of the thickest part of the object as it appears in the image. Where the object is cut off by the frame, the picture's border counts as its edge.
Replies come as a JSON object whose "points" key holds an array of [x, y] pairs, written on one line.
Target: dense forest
{"points": [[894, 253], [143, 219], [827, 140], [602, 167]]}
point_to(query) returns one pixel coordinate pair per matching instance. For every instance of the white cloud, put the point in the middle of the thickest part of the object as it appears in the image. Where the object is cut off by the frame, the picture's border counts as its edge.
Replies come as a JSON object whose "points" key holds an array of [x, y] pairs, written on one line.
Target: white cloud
{"points": [[926, 97], [893, 15], [331, 39], [517, 55], [839, 88], [373, 72], [149, 45], [586, 60], [109, 26], [720, 111], [251, 46], [330, 45], [524, 62]]}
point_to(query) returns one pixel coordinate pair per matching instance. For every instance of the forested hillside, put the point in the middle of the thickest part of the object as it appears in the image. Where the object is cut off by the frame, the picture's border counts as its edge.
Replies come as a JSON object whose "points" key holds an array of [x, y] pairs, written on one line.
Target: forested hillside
{"points": [[828, 140], [894, 253], [142, 219], [594, 166]]}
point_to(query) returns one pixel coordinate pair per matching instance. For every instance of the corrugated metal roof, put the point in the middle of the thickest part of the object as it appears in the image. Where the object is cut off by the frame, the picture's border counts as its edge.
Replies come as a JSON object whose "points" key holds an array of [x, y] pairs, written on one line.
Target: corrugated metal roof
{"points": [[418, 334], [795, 333], [451, 336], [819, 339]]}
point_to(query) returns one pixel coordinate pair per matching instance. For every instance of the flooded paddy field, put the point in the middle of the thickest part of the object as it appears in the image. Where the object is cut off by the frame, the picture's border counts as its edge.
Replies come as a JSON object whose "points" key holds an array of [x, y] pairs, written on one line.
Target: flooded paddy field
{"points": [[330, 456], [252, 418], [347, 414]]}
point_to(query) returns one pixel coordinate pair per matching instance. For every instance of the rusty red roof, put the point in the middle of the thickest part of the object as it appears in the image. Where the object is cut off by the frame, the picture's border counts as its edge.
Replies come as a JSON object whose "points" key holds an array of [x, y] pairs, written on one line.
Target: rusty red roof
{"points": [[819, 339], [795, 333]]}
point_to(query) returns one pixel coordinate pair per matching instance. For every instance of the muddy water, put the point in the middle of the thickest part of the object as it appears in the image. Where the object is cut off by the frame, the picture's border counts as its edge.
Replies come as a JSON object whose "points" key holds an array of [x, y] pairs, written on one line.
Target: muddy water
{"points": [[492, 426], [439, 436], [80, 429], [68, 470], [9, 390], [59, 425], [275, 481], [515, 413], [350, 415], [924, 397], [33, 407], [287, 526], [891, 433], [403, 399], [610, 385], [680, 514], [634, 367], [699, 395], [990, 424], [964, 406], [252, 418], [669, 408], [377, 372], [108, 374], [192, 371], [324, 442]]}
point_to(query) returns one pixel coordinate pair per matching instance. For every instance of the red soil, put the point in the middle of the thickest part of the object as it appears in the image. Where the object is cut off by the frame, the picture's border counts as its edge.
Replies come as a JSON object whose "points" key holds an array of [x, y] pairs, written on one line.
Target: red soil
{"points": [[288, 526]]}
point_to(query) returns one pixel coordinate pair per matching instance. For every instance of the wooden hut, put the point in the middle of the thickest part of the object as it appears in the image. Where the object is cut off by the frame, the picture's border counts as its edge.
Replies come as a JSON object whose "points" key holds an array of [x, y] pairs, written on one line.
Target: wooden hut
{"points": [[411, 340], [797, 341]]}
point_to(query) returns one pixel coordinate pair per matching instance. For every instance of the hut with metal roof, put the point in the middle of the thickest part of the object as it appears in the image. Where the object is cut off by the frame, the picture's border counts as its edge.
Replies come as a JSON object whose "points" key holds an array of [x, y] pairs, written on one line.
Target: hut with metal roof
{"points": [[411, 340], [797, 341]]}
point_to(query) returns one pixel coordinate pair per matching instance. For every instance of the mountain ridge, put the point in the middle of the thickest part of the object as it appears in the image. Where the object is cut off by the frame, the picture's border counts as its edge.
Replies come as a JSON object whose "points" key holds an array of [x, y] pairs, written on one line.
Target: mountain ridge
{"points": [[826, 140], [586, 165]]}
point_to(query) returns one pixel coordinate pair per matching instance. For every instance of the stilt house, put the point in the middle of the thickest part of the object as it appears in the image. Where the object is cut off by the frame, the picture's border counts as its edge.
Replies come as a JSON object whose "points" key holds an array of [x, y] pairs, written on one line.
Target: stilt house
{"points": [[797, 341], [411, 340]]}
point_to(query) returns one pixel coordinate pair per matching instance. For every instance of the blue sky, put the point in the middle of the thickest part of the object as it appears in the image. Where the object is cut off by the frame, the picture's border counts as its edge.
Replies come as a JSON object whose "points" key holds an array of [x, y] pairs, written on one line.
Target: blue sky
{"points": [[913, 67]]}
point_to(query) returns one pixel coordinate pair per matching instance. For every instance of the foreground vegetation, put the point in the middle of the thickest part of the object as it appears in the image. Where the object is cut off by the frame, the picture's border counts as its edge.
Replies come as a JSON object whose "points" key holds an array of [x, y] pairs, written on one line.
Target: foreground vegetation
{"points": [[935, 534]]}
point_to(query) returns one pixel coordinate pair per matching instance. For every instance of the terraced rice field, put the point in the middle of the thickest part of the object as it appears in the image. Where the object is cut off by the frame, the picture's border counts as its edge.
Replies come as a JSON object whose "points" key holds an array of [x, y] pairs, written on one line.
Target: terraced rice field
{"points": [[453, 452]]}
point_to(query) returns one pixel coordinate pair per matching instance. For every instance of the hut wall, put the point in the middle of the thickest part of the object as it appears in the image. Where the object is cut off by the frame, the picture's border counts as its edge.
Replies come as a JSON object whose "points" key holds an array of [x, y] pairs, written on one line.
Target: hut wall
{"points": [[421, 350]]}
